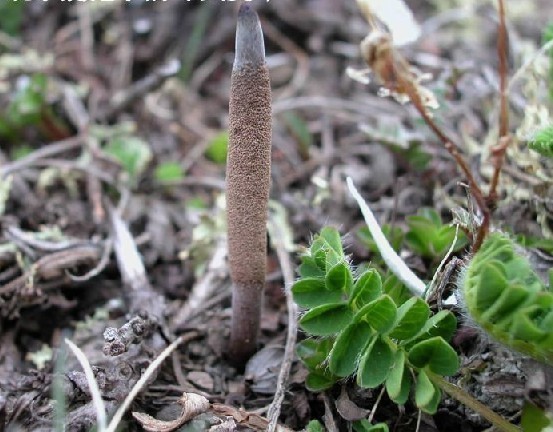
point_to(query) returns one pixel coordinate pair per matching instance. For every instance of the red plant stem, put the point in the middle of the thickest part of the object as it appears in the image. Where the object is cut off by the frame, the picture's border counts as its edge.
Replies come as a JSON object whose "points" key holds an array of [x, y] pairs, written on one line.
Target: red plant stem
{"points": [[498, 153], [454, 151]]}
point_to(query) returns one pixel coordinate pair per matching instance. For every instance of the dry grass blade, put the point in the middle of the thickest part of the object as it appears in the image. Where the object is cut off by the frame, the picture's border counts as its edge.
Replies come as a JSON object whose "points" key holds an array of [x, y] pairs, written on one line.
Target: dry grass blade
{"points": [[92, 384], [396, 265], [277, 230], [140, 384]]}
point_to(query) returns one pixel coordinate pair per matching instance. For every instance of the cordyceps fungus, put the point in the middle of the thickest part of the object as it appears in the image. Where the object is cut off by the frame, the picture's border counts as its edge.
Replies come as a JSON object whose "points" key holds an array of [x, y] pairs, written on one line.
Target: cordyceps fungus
{"points": [[248, 182]]}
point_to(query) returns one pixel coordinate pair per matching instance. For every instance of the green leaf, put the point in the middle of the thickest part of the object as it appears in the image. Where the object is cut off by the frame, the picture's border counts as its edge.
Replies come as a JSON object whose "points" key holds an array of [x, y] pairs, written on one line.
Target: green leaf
{"points": [[11, 16], [28, 103], [339, 279], [217, 148], [168, 172], [431, 215], [326, 319], [393, 234], [534, 419], [436, 354], [544, 244], [318, 251], [432, 406], [491, 284], [332, 238], [309, 268], [523, 328], [396, 289], [314, 426], [380, 313], [365, 426], [442, 324], [367, 287], [375, 364], [314, 352], [506, 304], [316, 382], [332, 259], [417, 157], [411, 317], [131, 152], [348, 347], [542, 142], [196, 203], [312, 292], [427, 396], [429, 237], [398, 383]]}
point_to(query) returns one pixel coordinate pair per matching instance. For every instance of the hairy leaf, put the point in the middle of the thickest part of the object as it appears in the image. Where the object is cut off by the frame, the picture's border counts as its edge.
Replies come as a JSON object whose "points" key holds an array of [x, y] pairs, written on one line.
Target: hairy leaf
{"points": [[375, 364], [327, 319]]}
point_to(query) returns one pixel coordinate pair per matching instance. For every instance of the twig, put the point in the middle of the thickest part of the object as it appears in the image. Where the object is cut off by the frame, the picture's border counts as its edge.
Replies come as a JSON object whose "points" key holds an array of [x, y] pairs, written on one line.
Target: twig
{"points": [[150, 82], [277, 234], [395, 73], [327, 104], [520, 71], [461, 163], [467, 400], [301, 71], [48, 266], [102, 264], [498, 153], [375, 406], [432, 286], [49, 150]]}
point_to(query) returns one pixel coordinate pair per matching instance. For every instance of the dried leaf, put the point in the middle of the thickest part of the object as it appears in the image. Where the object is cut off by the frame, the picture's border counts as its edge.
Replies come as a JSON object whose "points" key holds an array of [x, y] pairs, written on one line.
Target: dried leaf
{"points": [[192, 405]]}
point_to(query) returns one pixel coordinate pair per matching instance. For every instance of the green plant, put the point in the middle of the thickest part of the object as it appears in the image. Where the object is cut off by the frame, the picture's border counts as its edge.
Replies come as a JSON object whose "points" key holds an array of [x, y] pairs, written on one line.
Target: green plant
{"points": [[361, 329], [25, 107], [217, 149], [508, 300], [542, 142], [121, 143], [248, 180], [395, 236], [429, 237], [365, 426], [168, 172], [11, 16]]}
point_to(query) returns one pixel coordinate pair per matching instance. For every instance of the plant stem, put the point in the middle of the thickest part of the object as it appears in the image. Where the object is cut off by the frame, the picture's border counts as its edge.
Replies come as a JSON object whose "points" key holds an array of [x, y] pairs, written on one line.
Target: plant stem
{"points": [[498, 153], [466, 399]]}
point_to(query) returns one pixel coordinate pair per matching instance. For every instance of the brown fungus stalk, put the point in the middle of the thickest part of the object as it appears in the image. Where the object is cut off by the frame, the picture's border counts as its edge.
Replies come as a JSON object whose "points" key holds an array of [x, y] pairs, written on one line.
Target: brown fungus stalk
{"points": [[248, 181]]}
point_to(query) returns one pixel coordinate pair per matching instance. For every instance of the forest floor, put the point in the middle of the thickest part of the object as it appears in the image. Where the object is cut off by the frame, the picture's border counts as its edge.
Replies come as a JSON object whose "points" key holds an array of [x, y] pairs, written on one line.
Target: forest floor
{"points": [[113, 121]]}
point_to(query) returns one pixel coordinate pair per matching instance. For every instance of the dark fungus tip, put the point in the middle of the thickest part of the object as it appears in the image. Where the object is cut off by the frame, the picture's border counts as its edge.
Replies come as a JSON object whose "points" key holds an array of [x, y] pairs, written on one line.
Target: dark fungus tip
{"points": [[245, 9], [250, 49]]}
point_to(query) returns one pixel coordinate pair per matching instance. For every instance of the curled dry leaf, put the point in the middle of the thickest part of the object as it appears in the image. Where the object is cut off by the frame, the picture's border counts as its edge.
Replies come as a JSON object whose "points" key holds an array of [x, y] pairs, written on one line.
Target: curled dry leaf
{"points": [[192, 405]]}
